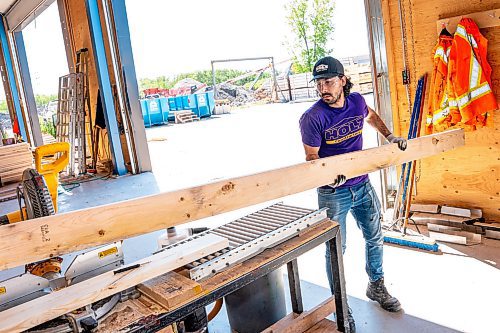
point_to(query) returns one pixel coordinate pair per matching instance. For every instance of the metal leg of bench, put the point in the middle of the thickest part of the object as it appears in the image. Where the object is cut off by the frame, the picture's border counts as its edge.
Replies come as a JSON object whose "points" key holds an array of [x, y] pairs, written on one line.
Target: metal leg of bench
{"points": [[294, 281], [335, 246]]}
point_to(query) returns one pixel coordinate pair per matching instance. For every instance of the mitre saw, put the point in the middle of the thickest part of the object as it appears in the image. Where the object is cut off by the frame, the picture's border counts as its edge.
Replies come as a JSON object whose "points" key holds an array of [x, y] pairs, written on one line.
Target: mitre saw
{"points": [[38, 190]]}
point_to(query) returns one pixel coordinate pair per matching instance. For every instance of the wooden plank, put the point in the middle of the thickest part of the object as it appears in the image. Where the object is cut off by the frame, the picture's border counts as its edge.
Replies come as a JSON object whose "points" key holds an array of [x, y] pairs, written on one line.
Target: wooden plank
{"points": [[305, 320], [459, 225], [170, 289], [456, 211], [457, 237], [42, 309], [486, 19], [488, 226], [37, 239], [441, 228], [428, 217], [285, 322], [424, 208], [5, 150], [492, 234], [324, 326], [8, 192]]}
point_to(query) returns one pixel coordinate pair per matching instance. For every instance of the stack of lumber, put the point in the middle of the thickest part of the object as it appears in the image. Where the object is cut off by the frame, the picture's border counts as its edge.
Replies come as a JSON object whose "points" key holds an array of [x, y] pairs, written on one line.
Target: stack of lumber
{"points": [[450, 224], [8, 192], [14, 159]]}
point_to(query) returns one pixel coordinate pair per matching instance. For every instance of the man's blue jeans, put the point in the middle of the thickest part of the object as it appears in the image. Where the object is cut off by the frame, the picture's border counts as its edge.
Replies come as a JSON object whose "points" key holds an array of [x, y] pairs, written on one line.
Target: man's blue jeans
{"points": [[362, 201]]}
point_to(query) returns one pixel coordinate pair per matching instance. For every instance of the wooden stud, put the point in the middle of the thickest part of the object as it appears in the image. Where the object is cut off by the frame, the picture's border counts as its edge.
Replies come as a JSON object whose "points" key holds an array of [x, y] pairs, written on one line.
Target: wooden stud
{"points": [[486, 19], [50, 236]]}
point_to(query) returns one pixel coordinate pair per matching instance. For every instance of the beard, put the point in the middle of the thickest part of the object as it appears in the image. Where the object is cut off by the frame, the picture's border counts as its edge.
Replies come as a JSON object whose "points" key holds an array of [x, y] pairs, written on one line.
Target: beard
{"points": [[330, 98]]}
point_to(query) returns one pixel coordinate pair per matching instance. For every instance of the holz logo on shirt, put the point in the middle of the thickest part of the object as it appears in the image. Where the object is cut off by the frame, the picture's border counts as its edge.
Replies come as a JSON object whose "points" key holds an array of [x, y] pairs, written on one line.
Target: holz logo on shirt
{"points": [[344, 130]]}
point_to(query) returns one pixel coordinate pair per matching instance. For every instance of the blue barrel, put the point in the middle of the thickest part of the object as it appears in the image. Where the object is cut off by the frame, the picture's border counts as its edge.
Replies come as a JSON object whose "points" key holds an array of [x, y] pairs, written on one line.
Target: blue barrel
{"points": [[171, 104], [145, 113], [155, 113], [165, 109], [202, 105]]}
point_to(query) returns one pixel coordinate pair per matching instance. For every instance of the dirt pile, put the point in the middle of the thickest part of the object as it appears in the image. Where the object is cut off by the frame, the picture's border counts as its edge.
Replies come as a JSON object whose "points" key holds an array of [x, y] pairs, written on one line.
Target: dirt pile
{"points": [[238, 95]]}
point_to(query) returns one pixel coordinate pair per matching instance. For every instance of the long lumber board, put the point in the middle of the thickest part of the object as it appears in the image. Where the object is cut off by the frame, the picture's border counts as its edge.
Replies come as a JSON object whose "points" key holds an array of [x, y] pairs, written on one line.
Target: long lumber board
{"points": [[37, 239], [42, 309]]}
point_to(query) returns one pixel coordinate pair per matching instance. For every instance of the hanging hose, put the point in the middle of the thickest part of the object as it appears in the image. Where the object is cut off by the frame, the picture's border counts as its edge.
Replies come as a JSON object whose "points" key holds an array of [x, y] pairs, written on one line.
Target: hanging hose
{"points": [[215, 310]]}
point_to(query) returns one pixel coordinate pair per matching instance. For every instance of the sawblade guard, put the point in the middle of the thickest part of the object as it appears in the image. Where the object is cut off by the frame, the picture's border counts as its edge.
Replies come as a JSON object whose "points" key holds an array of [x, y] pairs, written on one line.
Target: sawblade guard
{"points": [[37, 199]]}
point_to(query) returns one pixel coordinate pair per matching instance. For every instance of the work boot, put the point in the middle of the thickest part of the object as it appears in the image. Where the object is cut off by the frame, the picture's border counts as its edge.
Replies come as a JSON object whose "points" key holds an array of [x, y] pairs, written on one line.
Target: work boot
{"points": [[376, 291]]}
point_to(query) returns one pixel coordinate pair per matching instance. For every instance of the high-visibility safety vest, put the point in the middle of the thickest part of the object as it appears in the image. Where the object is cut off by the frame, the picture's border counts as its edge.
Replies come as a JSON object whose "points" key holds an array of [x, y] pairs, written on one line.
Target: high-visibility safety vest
{"points": [[469, 76], [439, 111]]}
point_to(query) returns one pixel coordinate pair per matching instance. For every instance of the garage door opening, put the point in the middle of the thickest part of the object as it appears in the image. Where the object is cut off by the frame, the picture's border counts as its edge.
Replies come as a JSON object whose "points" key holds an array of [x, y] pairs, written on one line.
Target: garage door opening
{"points": [[47, 62]]}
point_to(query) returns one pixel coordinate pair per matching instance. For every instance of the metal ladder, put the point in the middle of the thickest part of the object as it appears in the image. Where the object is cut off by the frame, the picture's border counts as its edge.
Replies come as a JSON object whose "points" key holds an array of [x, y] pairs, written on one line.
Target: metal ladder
{"points": [[70, 125], [81, 66]]}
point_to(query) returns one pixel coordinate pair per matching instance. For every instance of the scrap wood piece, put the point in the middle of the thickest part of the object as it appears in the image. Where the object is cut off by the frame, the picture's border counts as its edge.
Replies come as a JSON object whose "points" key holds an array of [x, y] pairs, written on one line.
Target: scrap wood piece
{"points": [[170, 289], [45, 308], [457, 237], [492, 234], [441, 228], [456, 211], [41, 238], [301, 323], [488, 225], [428, 217], [461, 223], [424, 208], [123, 314]]}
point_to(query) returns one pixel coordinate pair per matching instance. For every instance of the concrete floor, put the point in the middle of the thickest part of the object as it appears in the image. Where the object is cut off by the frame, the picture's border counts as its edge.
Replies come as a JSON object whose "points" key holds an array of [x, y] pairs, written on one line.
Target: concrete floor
{"points": [[453, 291]]}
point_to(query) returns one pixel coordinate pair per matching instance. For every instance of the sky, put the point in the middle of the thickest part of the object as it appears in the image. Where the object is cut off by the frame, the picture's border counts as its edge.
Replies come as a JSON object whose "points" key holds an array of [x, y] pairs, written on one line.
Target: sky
{"points": [[186, 35], [172, 37]]}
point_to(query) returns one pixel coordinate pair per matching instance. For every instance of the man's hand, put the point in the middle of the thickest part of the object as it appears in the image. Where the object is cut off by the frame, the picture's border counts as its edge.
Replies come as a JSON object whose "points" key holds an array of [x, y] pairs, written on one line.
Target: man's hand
{"points": [[396, 139], [340, 180]]}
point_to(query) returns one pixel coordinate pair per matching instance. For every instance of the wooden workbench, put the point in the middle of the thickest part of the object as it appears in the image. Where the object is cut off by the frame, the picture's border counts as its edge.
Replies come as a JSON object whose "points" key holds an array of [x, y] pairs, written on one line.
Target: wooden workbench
{"points": [[175, 297]]}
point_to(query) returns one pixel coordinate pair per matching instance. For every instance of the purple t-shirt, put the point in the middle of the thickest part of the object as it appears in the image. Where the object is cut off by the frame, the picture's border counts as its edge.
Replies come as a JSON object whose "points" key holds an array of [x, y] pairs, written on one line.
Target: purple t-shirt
{"points": [[336, 130]]}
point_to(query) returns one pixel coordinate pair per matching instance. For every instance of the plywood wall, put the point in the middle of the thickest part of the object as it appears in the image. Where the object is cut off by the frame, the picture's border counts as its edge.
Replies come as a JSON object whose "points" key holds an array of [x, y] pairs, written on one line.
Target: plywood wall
{"points": [[469, 176]]}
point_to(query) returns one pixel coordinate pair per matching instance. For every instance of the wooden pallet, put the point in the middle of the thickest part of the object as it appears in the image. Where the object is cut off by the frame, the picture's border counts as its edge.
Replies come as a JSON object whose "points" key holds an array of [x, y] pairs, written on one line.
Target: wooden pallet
{"points": [[185, 116]]}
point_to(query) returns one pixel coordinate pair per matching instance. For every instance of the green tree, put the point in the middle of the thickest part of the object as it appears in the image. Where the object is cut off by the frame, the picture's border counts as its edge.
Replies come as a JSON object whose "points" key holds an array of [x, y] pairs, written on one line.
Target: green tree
{"points": [[311, 22], [3, 107], [221, 75], [42, 100]]}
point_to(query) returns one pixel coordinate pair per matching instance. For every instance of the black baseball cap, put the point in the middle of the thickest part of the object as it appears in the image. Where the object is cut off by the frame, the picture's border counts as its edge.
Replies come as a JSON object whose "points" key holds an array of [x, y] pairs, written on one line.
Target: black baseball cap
{"points": [[327, 67]]}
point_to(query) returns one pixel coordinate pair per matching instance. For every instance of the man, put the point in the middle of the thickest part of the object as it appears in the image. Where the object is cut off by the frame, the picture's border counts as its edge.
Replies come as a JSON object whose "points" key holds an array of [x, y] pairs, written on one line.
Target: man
{"points": [[333, 126]]}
